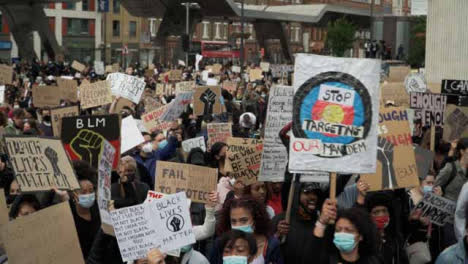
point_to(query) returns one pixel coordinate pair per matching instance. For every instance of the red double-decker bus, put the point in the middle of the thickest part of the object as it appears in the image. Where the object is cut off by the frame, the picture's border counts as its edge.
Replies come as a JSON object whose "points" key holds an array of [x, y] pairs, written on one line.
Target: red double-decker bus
{"points": [[215, 49]]}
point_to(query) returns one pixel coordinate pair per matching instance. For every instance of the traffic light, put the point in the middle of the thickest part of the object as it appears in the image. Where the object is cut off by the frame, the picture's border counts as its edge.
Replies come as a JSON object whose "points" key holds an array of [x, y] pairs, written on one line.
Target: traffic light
{"points": [[185, 43]]}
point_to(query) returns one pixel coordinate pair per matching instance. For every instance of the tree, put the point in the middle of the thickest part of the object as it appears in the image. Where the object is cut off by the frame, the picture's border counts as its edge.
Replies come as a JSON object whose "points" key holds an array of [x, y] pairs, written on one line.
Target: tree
{"points": [[340, 36], [417, 51]]}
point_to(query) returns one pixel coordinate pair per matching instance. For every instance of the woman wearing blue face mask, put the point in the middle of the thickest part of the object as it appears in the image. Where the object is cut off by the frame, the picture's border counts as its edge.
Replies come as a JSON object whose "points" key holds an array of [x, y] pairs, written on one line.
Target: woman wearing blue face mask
{"points": [[352, 239], [248, 216]]}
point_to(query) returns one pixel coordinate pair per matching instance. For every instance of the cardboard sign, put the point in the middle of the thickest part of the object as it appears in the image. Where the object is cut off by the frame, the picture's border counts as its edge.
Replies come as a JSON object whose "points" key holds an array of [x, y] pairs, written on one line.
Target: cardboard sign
{"points": [[40, 164], [230, 86], [424, 159], [243, 159], [160, 88], [109, 69], [189, 144], [196, 181], [396, 93], [126, 86], [83, 137], [121, 103], [265, 66], [432, 107], [175, 75], [396, 167], [131, 134], [177, 106], [78, 66], [236, 69], [415, 83], [207, 100], [68, 88], [255, 74], [279, 113], [57, 114], [6, 74], [439, 210], [218, 132], [182, 87], [335, 117], [457, 87], [4, 218], [47, 236], [46, 96], [95, 94], [104, 186], [152, 121], [280, 70], [398, 73], [99, 67], [456, 123]]}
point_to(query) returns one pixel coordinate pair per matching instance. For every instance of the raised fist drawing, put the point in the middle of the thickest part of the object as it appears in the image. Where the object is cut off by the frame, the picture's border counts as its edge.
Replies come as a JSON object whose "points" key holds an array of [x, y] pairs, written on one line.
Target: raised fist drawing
{"points": [[175, 223], [87, 146], [385, 156], [208, 98], [458, 121], [53, 159]]}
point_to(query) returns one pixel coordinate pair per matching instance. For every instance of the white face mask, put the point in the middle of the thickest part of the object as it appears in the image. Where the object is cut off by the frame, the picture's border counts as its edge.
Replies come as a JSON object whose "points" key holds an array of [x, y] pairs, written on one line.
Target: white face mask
{"points": [[147, 148], [232, 181]]}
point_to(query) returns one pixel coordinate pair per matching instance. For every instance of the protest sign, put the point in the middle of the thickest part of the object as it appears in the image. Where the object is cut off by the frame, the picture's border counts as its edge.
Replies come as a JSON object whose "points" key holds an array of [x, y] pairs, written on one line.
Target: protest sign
{"points": [[396, 166], [104, 185], [265, 66], [176, 107], [95, 94], [40, 164], [151, 120], [236, 69], [131, 134], [57, 114], [126, 86], [6, 74], [78, 66], [4, 218], [424, 159], [189, 144], [68, 88], [216, 68], [218, 132], [336, 106], [415, 82], [207, 100], [182, 87], [46, 96], [175, 75], [46, 236], [279, 70], [438, 210], [279, 113], [457, 87], [160, 88], [255, 74], [396, 93], [230, 85], [456, 123], [243, 158], [196, 181], [83, 137], [2, 94], [398, 73], [432, 107], [99, 67], [109, 69], [121, 104]]}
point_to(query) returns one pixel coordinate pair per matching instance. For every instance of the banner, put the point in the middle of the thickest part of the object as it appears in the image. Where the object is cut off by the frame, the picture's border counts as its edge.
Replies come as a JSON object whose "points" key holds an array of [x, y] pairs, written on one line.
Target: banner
{"points": [[176, 107], [46, 236], [57, 114], [439, 210], [68, 89], [189, 144], [432, 107], [243, 158], [40, 164], [218, 132], [78, 66], [152, 121], [99, 67], [46, 96], [279, 113], [83, 137], [457, 87], [131, 134], [182, 87], [6, 74], [196, 181], [456, 123], [207, 100], [396, 167], [126, 86], [336, 106], [396, 93], [104, 186], [95, 94]]}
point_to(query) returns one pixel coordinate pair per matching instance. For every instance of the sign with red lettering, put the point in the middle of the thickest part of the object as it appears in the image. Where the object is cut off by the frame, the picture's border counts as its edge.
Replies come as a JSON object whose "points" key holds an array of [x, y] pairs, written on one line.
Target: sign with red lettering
{"points": [[243, 159], [396, 166]]}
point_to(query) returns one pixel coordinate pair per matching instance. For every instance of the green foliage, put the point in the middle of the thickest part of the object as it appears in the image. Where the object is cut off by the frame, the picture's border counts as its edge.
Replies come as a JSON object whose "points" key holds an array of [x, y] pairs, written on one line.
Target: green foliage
{"points": [[417, 51], [340, 36]]}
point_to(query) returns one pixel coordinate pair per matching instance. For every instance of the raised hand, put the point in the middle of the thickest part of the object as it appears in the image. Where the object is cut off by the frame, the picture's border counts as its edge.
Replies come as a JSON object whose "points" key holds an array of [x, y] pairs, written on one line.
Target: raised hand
{"points": [[87, 146], [385, 156]]}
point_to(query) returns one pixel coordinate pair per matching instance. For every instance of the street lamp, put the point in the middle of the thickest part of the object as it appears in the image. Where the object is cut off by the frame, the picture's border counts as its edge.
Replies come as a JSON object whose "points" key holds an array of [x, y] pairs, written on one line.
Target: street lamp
{"points": [[188, 5], [242, 40]]}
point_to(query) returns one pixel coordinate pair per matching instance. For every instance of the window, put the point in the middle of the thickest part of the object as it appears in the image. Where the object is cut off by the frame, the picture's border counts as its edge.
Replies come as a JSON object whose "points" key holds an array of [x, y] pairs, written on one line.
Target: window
{"points": [[77, 26], [116, 28], [116, 6], [69, 6], [87, 5], [133, 29]]}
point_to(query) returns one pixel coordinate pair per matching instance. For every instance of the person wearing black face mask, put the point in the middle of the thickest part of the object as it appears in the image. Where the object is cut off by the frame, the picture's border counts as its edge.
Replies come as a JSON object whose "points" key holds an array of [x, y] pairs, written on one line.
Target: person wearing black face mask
{"points": [[129, 190], [46, 124]]}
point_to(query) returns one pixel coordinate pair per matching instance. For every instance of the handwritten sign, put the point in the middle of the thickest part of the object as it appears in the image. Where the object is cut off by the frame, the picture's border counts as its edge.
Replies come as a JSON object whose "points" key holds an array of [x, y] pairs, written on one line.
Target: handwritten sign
{"points": [[57, 114], [6, 74], [78, 66], [104, 185], [218, 132], [95, 94], [207, 100], [47, 236], [432, 107], [177, 106], [99, 67], [189, 144], [255, 74], [46, 96], [236, 69], [196, 181], [439, 210], [230, 86], [457, 87], [152, 121], [279, 70], [160, 88], [68, 88], [243, 158], [265, 66], [40, 164], [126, 86], [3, 214], [182, 87], [279, 113], [175, 75]]}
